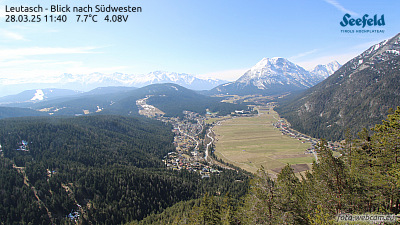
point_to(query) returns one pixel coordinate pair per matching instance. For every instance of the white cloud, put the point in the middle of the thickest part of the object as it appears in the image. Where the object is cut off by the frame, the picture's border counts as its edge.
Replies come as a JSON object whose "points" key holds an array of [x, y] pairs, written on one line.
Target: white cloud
{"points": [[300, 55], [340, 7], [41, 70], [6, 54], [16, 64], [46, 71], [88, 70], [12, 35]]}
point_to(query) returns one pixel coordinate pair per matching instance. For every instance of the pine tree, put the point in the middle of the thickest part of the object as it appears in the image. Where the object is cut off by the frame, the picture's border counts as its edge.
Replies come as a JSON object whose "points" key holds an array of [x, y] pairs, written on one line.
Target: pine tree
{"points": [[228, 215], [386, 149], [260, 205], [320, 216], [291, 199]]}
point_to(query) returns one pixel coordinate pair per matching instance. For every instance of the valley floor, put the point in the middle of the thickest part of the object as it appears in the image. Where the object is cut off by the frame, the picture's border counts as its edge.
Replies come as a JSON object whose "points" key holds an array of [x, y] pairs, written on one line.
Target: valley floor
{"points": [[262, 140]]}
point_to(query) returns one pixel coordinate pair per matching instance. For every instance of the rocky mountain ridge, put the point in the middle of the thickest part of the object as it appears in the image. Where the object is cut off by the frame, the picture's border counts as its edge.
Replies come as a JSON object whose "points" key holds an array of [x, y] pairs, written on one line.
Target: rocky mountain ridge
{"points": [[277, 75]]}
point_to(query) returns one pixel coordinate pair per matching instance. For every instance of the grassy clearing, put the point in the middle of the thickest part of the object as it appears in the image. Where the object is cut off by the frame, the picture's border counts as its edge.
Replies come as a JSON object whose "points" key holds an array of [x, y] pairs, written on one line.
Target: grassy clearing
{"points": [[293, 161], [252, 142]]}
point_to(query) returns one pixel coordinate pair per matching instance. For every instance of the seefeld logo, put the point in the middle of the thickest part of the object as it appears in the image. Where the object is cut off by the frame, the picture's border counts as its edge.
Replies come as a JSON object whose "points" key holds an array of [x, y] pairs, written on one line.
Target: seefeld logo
{"points": [[347, 20]]}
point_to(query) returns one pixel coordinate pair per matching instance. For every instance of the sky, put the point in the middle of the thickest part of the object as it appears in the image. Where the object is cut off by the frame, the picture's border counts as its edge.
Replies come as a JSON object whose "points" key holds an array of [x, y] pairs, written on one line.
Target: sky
{"points": [[209, 38]]}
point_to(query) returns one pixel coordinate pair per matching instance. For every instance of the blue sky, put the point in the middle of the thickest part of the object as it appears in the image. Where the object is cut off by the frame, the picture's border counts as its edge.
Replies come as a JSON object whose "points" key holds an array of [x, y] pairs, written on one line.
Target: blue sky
{"points": [[208, 38]]}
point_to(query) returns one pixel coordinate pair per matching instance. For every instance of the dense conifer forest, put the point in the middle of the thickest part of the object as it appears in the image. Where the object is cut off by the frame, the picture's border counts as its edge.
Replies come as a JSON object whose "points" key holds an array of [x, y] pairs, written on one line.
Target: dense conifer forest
{"points": [[102, 169]]}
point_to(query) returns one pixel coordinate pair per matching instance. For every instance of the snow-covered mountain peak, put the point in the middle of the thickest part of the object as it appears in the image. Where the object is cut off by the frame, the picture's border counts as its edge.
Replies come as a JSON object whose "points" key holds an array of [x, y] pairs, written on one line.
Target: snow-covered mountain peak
{"points": [[158, 76], [261, 64], [267, 62], [278, 71], [325, 71], [333, 66], [271, 76]]}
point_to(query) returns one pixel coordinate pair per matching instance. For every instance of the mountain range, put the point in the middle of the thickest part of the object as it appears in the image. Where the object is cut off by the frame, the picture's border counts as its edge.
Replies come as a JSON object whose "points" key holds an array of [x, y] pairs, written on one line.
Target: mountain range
{"points": [[272, 76], [132, 80], [171, 99], [357, 95], [269, 76], [87, 82]]}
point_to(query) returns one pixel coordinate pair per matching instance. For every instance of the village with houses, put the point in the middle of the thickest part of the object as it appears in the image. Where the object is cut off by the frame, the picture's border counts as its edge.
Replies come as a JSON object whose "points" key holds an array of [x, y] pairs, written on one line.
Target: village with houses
{"points": [[192, 148], [284, 127], [190, 153], [190, 140]]}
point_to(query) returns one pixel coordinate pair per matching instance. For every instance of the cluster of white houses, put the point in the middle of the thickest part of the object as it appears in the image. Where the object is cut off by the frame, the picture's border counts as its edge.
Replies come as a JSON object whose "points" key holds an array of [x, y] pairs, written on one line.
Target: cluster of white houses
{"points": [[286, 130], [22, 146], [177, 161], [188, 155]]}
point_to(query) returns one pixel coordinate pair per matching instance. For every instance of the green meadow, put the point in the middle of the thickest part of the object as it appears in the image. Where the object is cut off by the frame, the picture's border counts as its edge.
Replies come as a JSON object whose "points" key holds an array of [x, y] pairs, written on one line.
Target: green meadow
{"points": [[252, 142]]}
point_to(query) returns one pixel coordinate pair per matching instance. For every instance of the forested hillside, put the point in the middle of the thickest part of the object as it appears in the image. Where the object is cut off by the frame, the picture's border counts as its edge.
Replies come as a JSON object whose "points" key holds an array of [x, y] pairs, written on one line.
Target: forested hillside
{"points": [[95, 169], [357, 95], [7, 112], [173, 99], [170, 98], [360, 102]]}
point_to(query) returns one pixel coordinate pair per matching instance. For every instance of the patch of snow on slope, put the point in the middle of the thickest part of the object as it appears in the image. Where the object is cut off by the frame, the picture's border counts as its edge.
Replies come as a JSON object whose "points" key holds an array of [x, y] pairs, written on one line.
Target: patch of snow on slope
{"points": [[227, 84], [393, 52], [376, 46], [39, 95]]}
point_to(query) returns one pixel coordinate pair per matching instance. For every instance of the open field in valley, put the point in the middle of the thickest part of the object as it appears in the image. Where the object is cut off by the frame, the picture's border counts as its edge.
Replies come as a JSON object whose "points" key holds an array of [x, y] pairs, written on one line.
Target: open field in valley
{"points": [[252, 142]]}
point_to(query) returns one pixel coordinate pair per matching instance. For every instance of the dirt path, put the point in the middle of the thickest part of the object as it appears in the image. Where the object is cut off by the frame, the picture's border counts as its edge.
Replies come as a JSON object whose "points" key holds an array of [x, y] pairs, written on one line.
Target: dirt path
{"points": [[26, 182], [210, 159], [72, 196]]}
